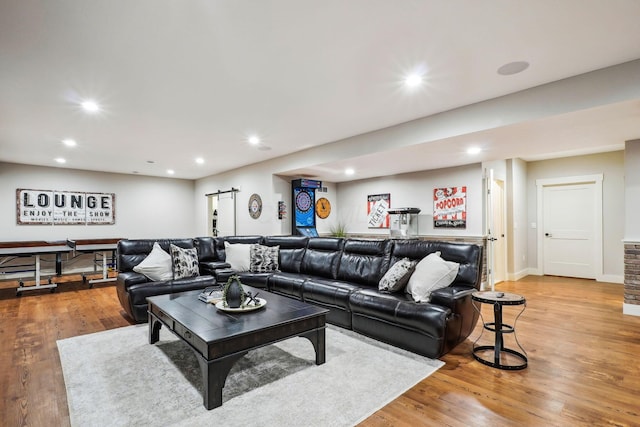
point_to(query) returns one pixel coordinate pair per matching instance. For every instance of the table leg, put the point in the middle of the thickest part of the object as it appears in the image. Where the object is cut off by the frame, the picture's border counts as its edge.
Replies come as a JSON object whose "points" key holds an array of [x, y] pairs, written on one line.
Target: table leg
{"points": [[317, 338], [497, 315], [214, 375], [58, 264], [105, 271], [37, 272], [154, 329]]}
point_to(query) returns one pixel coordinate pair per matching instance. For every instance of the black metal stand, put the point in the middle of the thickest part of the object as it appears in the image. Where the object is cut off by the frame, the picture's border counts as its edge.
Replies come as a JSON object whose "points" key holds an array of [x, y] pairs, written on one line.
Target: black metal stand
{"points": [[499, 328]]}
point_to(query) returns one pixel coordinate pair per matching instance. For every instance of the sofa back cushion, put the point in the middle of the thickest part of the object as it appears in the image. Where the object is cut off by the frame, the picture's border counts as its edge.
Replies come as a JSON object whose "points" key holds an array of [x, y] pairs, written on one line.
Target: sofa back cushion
{"points": [[468, 255], [322, 257], [219, 243], [291, 251], [133, 252], [364, 261], [206, 249]]}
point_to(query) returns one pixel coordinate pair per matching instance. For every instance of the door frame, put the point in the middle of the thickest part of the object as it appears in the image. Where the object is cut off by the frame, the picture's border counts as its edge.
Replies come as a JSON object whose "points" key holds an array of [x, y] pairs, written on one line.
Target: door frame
{"points": [[500, 255], [596, 180]]}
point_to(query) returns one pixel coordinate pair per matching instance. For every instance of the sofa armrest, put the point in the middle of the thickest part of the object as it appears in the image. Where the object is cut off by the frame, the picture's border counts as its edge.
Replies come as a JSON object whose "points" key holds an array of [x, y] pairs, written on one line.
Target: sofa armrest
{"points": [[129, 278], [210, 267], [455, 297]]}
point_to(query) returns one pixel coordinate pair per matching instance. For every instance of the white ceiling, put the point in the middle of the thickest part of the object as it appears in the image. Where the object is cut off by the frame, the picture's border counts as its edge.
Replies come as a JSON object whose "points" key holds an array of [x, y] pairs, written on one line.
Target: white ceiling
{"points": [[187, 79]]}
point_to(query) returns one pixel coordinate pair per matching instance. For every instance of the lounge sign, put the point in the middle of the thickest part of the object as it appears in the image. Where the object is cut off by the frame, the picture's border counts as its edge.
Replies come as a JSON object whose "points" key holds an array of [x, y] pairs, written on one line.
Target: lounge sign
{"points": [[64, 207]]}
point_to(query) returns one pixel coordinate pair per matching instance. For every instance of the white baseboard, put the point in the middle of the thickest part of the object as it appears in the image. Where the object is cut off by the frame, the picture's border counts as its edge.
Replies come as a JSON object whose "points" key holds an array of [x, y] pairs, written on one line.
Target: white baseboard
{"points": [[631, 309], [610, 278], [522, 273]]}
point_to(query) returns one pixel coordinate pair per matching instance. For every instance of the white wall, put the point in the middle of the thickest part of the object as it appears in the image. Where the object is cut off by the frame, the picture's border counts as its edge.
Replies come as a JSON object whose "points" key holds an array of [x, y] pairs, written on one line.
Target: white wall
{"points": [[257, 178], [145, 207], [413, 190], [348, 199], [632, 191], [611, 166]]}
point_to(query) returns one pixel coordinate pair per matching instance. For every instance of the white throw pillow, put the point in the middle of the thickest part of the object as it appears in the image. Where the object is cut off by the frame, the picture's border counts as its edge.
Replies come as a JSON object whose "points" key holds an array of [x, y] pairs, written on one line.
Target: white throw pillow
{"points": [[157, 265], [431, 273], [238, 255]]}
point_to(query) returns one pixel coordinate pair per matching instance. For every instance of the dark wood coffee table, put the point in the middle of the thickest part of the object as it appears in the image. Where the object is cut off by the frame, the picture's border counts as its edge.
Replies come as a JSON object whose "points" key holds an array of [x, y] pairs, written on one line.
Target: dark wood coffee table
{"points": [[220, 338]]}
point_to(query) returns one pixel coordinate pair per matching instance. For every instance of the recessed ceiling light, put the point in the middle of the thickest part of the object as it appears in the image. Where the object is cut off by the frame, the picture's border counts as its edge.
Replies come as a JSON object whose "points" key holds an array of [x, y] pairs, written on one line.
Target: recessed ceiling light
{"points": [[90, 106], [69, 142], [474, 150], [254, 140], [513, 68], [60, 160], [171, 171], [413, 80], [349, 171], [199, 160]]}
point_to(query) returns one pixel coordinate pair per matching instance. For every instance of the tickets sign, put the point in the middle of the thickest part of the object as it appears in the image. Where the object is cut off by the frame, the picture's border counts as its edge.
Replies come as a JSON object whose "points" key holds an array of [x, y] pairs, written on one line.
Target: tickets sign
{"points": [[377, 205], [450, 207], [64, 207]]}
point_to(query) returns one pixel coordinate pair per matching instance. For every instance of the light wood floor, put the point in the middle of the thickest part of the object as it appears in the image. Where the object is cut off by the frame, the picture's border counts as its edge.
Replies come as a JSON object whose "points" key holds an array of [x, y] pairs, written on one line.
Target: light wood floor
{"points": [[583, 360]]}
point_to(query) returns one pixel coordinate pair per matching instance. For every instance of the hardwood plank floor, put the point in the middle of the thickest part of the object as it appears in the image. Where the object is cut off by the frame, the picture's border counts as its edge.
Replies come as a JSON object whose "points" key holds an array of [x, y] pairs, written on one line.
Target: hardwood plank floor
{"points": [[582, 351]]}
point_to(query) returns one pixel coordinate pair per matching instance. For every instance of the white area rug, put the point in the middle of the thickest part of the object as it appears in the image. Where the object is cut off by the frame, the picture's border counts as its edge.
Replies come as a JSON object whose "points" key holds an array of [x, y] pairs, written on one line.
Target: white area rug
{"points": [[115, 378]]}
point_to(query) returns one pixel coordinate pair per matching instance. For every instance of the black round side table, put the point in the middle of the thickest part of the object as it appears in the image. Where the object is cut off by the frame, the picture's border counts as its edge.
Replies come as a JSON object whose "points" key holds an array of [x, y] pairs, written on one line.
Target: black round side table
{"points": [[499, 299]]}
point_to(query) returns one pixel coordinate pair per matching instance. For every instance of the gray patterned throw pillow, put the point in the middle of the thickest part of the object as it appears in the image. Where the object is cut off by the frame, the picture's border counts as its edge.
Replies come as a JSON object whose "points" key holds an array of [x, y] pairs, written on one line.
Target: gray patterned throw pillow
{"points": [[264, 258], [397, 277], [185, 262]]}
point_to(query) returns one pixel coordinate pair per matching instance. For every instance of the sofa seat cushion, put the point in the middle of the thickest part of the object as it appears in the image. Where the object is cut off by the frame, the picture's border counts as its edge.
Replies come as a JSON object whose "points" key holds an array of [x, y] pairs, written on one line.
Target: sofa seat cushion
{"points": [[139, 293], [327, 292], [289, 284], [401, 310]]}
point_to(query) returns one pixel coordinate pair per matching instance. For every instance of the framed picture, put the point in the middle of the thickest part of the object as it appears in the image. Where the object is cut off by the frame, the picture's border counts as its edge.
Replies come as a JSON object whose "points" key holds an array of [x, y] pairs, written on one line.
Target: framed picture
{"points": [[377, 205], [64, 207], [450, 207]]}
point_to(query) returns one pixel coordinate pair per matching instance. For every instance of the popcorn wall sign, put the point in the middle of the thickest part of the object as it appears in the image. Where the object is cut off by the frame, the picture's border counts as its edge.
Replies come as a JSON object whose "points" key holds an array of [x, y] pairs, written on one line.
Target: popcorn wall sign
{"points": [[450, 207]]}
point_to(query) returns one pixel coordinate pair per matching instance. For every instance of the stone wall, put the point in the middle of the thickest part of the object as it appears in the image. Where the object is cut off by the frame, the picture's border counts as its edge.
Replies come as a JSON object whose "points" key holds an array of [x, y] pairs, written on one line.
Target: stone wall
{"points": [[632, 273]]}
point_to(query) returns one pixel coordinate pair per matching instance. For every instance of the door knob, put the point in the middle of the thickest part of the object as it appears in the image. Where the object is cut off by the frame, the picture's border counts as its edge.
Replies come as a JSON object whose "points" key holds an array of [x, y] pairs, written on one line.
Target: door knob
{"points": [[547, 234]]}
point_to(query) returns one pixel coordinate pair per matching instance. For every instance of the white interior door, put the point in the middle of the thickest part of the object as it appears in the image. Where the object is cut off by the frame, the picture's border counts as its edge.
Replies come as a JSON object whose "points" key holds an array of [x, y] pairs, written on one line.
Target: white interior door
{"points": [[498, 232], [570, 230], [226, 222]]}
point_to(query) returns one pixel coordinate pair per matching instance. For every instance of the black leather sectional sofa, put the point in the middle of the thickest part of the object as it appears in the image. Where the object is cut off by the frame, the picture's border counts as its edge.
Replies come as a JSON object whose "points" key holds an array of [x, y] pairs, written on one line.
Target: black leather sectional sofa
{"points": [[339, 274]]}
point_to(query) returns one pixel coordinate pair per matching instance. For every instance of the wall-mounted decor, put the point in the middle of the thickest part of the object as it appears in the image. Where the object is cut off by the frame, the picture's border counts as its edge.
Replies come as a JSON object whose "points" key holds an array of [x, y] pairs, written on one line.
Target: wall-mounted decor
{"points": [[282, 210], [450, 207], [323, 208], [303, 198], [377, 205], [64, 207], [255, 206]]}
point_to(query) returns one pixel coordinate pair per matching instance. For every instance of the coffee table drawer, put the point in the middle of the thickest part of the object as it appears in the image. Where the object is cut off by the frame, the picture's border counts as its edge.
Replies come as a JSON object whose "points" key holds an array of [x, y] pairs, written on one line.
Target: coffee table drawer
{"points": [[191, 338], [163, 317]]}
